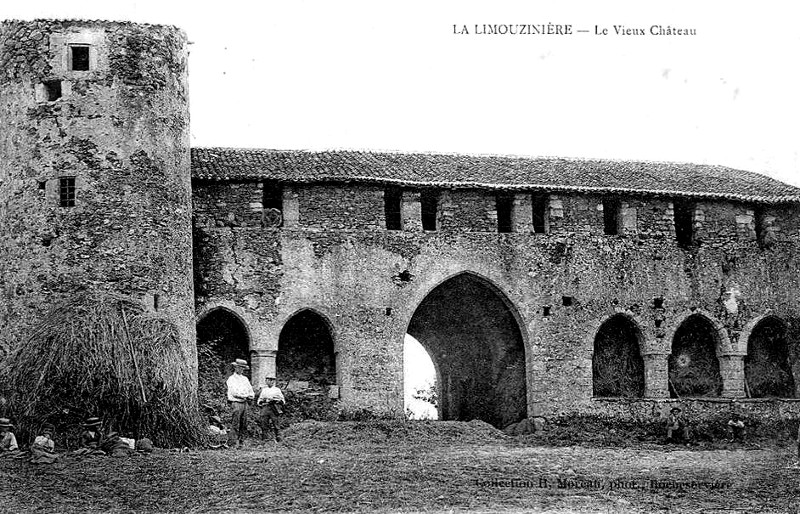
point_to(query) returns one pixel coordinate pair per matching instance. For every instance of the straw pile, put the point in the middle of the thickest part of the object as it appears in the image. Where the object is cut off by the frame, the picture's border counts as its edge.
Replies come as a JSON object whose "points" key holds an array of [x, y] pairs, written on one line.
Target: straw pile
{"points": [[107, 357]]}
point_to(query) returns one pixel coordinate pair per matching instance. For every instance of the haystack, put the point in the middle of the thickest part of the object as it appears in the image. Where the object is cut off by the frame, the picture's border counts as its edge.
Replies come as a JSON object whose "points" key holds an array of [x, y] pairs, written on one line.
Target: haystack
{"points": [[105, 356]]}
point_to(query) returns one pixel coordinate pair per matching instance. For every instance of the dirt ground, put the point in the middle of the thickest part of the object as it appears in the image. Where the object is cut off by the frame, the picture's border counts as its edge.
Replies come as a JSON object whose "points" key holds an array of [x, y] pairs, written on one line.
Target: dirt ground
{"points": [[412, 466]]}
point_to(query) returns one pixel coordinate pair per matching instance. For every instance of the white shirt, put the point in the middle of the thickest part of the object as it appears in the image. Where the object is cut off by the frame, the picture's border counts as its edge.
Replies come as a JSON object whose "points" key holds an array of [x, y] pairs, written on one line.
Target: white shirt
{"points": [[269, 394], [238, 385]]}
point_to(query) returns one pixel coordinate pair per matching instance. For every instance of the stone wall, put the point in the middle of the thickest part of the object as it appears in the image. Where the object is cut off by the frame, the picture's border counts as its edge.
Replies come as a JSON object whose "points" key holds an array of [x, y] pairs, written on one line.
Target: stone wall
{"points": [[368, 282], [120, 129]]}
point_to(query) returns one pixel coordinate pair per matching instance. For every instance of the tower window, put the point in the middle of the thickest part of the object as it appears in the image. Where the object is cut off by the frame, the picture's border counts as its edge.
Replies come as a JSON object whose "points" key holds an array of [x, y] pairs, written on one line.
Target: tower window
{"points": [[611, 216], [66, 192], [504, 205], [430, 204], [392, 202], [273, 204], [52, 89], [684, 223], [761, 227], [539, 205], [79, 57]]}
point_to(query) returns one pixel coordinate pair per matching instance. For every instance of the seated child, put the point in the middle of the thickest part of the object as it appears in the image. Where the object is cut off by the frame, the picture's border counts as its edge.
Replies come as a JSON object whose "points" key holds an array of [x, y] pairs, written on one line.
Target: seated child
{"points": [[677, 423], [91, 439], [8, 441], [43, 447], [735, 429]]}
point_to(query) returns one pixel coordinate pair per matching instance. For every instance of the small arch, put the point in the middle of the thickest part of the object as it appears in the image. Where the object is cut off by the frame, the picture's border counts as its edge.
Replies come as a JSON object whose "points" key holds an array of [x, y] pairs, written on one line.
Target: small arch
{"points": [[617, 364], [693, 364], [767, 370], [222, 337], [306, 350]]}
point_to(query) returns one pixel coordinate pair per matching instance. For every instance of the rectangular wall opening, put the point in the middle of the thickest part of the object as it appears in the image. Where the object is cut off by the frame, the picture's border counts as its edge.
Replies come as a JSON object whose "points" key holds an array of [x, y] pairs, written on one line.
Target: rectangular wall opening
{"points": [[430, 206], [273, 204], [66, 192], [611, 217], [52, 90], [539, 205], [505, 208], [684, 222], [79, 57], [392, 207], [761, 227]]}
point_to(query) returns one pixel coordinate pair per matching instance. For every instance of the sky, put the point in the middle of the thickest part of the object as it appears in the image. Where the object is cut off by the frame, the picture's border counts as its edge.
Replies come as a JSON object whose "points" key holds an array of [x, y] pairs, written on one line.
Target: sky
{"points": [[324, 74]]}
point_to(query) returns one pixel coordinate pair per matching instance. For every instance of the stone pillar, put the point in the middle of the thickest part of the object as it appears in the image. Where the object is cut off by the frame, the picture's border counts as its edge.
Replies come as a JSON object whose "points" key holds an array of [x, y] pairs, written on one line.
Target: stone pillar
{"points": [[628, 219], [412, 211], [262, 362], [731, 367], [656, 375], [291, 208], [522, 214]]}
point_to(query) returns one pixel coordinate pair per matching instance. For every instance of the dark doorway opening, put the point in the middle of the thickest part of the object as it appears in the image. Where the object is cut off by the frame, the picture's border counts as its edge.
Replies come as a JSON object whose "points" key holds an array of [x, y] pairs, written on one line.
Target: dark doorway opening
{"points": [[766, 366], [617, 365], [693, 364], [305, 351], [469, 330], [221, 339]]}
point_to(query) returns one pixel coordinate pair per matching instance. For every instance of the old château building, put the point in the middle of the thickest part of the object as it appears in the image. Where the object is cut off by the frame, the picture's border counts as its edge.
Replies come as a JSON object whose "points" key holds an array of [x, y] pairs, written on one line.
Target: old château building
{"points": [[538, 286]]}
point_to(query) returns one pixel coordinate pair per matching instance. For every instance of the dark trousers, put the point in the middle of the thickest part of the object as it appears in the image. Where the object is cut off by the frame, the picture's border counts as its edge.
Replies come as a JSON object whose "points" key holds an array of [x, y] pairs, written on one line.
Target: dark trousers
{"points": [[238, 422], [270, 421]]}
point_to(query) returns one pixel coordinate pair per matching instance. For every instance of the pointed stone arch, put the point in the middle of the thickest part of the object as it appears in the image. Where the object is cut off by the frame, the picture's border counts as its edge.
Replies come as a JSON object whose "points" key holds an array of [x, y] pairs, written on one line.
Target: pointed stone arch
{"points": [[223, 335], [475, 336], [307, 349], [697, 341], [617, 364], [767, 370]]}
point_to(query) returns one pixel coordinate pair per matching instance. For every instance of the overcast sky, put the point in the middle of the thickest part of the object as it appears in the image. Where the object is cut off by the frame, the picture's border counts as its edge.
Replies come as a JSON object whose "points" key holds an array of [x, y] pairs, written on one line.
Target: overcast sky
{"points": [[322, 74]]}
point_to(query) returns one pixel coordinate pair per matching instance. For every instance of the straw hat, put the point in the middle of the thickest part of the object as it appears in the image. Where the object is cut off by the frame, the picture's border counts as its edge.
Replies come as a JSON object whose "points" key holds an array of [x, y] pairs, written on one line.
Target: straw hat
{"points": [[675, 409], [5, 423], [269, 377], [240, 363], [92, 422]]}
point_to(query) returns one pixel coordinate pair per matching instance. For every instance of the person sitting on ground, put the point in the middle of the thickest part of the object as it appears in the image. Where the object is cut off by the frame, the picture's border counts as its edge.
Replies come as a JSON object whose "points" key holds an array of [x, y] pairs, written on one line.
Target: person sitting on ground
{"points": [[677, 423], [8, 441], [219, 436], [115, 446], [735, 428], [271, 401], [91, 438], [43, 447]]}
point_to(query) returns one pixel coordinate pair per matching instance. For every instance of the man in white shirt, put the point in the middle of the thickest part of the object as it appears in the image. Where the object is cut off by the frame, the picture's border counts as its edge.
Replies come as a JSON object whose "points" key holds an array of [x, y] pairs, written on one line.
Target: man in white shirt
{"points": [[239, 392], [271, 401]]}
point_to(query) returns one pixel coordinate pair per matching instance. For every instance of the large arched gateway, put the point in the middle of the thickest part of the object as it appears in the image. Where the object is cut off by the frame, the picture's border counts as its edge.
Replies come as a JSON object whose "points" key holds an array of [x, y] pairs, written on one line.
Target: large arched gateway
{"points": [[471, 333]]}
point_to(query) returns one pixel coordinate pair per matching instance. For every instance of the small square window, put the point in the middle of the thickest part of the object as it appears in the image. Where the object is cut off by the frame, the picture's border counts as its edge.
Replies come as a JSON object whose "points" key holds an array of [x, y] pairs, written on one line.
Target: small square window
{"points": [[52, 90], [66, 192], [79, 58]]}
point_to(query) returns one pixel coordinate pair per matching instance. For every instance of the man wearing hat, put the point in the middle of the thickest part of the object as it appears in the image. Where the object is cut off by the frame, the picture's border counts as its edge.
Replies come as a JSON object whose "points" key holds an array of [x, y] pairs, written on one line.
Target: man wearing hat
{"points": [[271, 401], [8, 441], [239, 392], [91, 438], [677, 422]]}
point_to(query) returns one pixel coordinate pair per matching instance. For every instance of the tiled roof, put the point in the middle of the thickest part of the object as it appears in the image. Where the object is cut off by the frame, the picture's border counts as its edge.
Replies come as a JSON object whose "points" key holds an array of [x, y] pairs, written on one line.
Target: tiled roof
{"points": [[491, 172]]}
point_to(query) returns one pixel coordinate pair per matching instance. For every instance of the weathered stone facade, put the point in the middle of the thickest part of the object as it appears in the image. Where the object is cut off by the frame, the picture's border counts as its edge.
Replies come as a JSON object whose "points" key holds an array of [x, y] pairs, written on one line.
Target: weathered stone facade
{"points": [[559, 287], [508, 301], [94, 170]]}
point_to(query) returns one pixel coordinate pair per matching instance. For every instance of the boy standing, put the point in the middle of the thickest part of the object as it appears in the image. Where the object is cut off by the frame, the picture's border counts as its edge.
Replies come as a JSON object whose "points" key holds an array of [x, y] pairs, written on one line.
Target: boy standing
{"points": [[271, 401]]}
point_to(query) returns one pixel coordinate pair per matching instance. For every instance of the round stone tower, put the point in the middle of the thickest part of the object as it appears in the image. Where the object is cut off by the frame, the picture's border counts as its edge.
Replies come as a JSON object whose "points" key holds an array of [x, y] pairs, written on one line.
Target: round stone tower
{"points": [[95, 190]]}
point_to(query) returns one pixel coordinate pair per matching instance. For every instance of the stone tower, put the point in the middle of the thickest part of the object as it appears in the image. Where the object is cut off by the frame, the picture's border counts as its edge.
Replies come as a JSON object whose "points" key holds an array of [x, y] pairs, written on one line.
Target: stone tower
{"points": [[95, 190]]}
